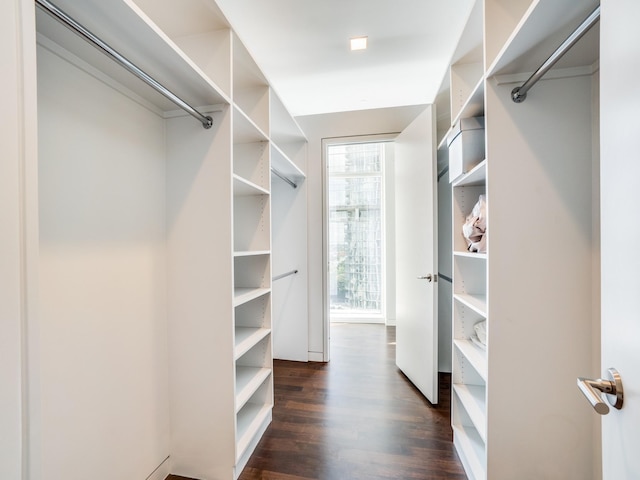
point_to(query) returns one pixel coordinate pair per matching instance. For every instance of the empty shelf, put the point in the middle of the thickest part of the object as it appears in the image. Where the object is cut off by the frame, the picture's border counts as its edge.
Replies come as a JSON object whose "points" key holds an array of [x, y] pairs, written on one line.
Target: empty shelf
{"points": [[477, 357], [250, 421], [473, 399], [471, 450], [243, 187], [477, 303], [244, 295], [248, 380], [247, 337]]}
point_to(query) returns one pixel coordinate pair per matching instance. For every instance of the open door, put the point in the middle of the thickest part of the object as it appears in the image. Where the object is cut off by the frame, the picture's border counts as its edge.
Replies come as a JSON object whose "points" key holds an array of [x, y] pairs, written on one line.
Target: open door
{"points": [[416, 257], [620, 182]]}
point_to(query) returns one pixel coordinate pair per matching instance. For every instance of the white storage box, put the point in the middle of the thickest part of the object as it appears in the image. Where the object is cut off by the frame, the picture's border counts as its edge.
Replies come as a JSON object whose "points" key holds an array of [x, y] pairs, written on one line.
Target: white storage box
{"points": [[466, 146]]}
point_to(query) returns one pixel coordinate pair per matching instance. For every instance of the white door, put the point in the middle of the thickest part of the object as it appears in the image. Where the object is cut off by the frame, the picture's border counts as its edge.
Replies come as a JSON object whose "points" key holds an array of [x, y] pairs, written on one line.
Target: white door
{"points": [[416, 307], [620, 204]]}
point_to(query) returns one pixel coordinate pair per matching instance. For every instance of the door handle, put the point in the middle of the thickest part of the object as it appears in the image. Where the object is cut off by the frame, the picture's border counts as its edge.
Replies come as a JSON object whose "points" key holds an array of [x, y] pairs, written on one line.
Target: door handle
{"points": [[429, 277], [611, 387]]}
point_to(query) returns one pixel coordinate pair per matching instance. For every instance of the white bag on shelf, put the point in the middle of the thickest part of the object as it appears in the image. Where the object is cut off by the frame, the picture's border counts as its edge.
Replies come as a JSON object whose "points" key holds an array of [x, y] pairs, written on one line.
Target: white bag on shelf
{"points": [[475, 227]]}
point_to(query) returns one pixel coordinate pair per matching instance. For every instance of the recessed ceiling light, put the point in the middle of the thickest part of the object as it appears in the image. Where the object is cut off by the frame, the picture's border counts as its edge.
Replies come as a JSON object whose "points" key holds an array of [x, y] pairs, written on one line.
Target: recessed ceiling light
{"points": [[358, 43]]}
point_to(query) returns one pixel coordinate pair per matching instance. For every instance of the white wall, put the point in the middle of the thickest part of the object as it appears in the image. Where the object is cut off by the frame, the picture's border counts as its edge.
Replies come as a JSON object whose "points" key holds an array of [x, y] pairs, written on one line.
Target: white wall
{"points": [[317, 127], [101, 409], [17, 131]]}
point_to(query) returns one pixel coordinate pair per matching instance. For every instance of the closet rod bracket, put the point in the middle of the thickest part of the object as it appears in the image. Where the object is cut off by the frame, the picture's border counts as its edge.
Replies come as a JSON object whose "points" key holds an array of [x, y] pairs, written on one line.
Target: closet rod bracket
{"points": [[518, 97]]}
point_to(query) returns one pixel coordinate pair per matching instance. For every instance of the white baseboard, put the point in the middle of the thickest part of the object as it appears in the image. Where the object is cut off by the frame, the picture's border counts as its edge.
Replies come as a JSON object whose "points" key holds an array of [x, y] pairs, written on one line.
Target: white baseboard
{"points": [[354, 319], [162, 472], [316, 357]]}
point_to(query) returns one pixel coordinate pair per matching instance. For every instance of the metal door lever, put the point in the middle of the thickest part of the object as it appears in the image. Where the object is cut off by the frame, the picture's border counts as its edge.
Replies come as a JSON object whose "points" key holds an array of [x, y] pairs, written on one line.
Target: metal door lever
{"points": [[428, 277], [612, 387]]}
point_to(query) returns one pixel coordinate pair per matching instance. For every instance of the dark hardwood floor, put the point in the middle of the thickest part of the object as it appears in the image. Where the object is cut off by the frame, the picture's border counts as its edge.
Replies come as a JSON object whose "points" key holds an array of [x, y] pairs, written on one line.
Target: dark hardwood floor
{"points": [[354, 418]]}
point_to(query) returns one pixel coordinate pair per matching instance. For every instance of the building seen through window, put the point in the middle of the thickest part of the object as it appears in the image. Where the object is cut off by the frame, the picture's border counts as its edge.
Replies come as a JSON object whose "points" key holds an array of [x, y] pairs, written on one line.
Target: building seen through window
{"points": [[355, 213]]}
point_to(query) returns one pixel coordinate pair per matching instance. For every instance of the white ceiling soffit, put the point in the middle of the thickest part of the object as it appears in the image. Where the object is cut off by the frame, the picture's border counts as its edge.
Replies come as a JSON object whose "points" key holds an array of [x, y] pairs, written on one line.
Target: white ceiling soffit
{"points": [[302, 46]]}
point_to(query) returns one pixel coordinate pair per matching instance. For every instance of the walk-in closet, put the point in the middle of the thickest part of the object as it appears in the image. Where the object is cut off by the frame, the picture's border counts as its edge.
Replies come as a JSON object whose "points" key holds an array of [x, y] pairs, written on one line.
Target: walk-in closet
{"points": [[164, 232]]}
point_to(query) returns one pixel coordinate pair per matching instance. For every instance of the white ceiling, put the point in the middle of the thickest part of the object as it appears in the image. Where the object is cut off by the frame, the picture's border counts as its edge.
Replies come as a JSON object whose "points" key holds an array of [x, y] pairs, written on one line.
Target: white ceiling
{"points": [[302, 46]]}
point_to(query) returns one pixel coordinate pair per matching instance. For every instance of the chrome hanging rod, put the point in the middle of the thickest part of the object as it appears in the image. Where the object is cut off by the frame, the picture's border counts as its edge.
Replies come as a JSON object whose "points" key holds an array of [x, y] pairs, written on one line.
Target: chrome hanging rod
{"points": [[284, 177], [75, 27], [519, 94], [282, 275]]}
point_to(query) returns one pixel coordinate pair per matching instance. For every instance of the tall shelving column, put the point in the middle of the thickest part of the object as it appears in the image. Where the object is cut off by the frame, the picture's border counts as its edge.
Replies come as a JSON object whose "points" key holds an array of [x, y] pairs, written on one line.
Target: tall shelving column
{"points": [[253, 354], [192, 171], [469, 363], [289, 220], [202, 382], [540, 163], [469, 358], [536, 301], [221, 355]]}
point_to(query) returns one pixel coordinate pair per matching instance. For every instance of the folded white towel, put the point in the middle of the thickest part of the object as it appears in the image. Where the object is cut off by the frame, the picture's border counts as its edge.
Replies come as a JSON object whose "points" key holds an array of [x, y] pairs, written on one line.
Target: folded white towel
{"points": [[481, 331]]}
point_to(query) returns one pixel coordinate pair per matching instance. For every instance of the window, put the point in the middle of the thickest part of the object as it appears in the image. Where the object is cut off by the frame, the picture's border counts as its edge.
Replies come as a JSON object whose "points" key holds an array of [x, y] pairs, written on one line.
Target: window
{"points": [[356, 226]]}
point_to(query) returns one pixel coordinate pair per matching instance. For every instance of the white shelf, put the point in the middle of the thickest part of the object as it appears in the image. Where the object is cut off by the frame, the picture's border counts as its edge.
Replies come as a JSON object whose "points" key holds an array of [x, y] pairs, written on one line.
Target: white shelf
{"points": [[250, 253], [477, 176], [284, 128], [473, 398], [251, 162], [244, 295], [195, 17], [284, 165], [248, 337], [471, 450], [476, 255], [546, 25], [250, 87], [469, 48], [131, 33], [243, 187], [477, 303], [248, 380], [476, 356], [246, 73], [249, 422], [245, 130], [473, 107], [202, 32]]}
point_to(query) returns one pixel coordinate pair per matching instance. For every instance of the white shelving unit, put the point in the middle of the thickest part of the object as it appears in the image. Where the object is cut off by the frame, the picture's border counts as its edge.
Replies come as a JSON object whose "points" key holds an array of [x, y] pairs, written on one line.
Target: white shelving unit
{"points": [[189, 230], [250, 87], [470, 366], [469, 363], [252, 253], [534, 291]]}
